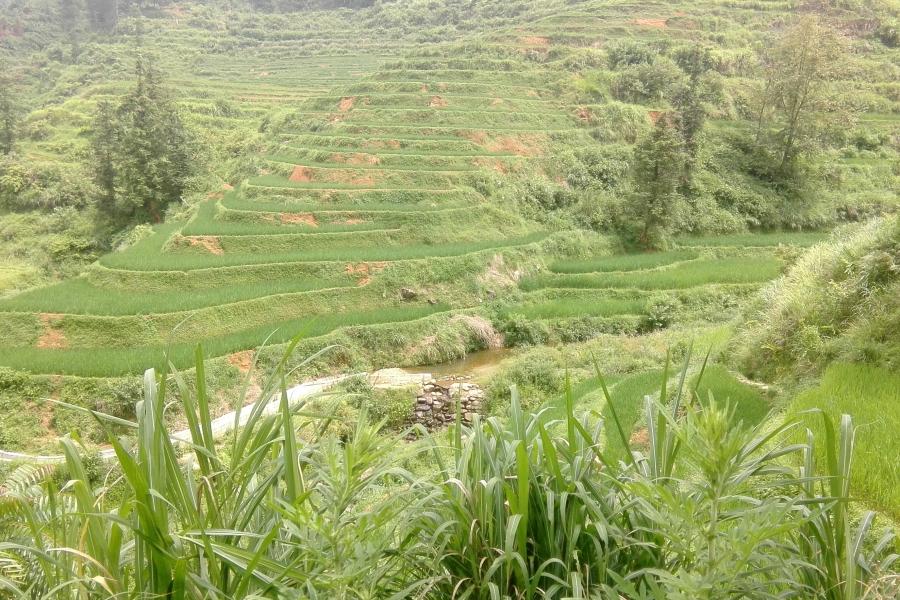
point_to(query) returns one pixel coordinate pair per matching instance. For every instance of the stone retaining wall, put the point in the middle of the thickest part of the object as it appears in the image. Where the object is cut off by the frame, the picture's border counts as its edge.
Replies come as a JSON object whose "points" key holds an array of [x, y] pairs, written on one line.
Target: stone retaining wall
{"points": [[436, 401]]}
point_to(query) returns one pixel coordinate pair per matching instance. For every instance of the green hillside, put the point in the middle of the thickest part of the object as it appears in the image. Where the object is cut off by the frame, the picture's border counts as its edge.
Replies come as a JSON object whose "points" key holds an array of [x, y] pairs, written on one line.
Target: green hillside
{"points": [[664, 234], [488, 171]]}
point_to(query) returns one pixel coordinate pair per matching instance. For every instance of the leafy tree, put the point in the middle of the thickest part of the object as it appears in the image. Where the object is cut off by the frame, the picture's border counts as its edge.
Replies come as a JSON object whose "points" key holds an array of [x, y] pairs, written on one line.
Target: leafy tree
{"points": [[142, 152], [798, 69], [103, 14], [659, 162], [8, 115]]}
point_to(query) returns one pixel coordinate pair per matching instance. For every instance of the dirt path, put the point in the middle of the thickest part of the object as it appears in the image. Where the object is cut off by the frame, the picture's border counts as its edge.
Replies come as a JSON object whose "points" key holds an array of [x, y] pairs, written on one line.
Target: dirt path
{"points": [[220, 426]]}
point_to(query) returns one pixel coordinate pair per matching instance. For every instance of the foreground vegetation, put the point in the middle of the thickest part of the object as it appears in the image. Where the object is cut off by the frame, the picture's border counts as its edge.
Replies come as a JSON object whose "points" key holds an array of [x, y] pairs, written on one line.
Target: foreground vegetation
{"points": [[513, 507]]}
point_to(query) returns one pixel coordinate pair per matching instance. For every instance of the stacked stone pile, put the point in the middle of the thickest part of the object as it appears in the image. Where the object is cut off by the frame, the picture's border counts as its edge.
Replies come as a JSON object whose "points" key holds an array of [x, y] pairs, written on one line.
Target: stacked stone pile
{"points": [[436, 403]]}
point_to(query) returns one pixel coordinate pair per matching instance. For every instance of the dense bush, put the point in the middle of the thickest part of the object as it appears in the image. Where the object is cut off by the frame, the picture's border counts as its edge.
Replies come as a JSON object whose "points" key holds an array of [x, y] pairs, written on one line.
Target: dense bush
{"points": [[839, 302]]}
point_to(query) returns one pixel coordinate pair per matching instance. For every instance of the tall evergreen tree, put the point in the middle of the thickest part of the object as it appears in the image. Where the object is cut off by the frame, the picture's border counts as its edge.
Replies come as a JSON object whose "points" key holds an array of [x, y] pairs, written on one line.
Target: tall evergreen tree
{"points": [[103, 14], [8, 115], [105, 150], [690, 111], [141, 151], [659, 163]]}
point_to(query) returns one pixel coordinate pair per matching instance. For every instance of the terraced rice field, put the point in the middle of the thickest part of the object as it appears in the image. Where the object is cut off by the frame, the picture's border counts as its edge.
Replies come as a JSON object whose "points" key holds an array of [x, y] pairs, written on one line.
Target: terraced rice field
{"points": [[382, 191], [375, 183], [629, 285]]}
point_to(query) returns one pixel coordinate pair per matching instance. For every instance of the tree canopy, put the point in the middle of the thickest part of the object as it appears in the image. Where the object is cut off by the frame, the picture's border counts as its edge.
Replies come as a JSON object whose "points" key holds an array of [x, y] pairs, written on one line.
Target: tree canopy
{"points": [[141, 150]]}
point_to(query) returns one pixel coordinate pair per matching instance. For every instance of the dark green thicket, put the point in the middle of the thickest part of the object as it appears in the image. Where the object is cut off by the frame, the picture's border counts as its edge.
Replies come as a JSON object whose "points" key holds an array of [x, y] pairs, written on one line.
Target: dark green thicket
{"points": [[9, 112], [143, 154], [659, 164]]}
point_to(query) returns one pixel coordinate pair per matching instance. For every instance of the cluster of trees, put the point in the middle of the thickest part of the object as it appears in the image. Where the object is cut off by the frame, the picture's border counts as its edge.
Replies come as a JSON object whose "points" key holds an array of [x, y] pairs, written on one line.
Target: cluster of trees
{"points": [[794, 109]]}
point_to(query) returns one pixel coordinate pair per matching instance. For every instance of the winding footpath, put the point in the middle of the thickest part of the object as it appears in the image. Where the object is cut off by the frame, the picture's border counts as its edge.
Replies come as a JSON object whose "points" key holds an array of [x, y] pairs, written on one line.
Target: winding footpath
{"points": [[220, 426]]}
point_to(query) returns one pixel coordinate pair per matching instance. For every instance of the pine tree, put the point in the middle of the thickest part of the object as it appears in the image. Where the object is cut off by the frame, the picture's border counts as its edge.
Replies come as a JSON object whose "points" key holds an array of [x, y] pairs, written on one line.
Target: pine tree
{"points": [[658, 168], [141, 152], [8, 115], [105, 150], [690, 112]]}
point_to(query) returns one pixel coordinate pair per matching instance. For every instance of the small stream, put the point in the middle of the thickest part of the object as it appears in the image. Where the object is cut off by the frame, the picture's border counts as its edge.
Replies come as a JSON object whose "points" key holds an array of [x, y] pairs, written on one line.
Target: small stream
{"points": [[479, 365]]}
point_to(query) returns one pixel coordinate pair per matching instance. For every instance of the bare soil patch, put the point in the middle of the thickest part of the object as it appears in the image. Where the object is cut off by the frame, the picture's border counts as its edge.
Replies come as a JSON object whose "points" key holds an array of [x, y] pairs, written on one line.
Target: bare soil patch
{"points": [[536, 40], [393, 144], [353, 221], [263, 74], [362, 181], [442, 87], [364, 159], [242, 360], [510, 145], [297, 218], [365, 271], [584, 114], [301, 174], [496, 101], [347, 103], [210, 242], [227, 186], [654, 115], [437, 101], [424, 89], [478, 137], [497, 165], [640, 438], [52, 338], [650, 22]]}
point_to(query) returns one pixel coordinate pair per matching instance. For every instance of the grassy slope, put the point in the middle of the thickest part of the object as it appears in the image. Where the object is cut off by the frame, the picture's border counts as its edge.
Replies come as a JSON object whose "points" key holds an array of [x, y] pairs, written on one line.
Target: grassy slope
{"points": [[420, 119]]}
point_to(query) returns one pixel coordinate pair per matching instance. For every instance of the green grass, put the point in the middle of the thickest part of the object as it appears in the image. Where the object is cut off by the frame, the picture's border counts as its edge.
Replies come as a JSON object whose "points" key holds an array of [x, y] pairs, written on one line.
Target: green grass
{"points": [[756, 239], [114, 362], [626, 392], [145, 256], [373, 136], [333, 165], [276, 181], [871, 395], [681, 276], [628, 399], [205, 223], [602, 307], [402, 152], [749, 406], [879, 117], [78, 296], [625, 262], [555, 408]]}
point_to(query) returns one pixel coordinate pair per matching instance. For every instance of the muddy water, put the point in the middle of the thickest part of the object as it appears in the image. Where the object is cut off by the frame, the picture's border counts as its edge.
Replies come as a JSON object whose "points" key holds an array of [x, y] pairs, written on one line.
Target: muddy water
{"points": [[479, 365]]}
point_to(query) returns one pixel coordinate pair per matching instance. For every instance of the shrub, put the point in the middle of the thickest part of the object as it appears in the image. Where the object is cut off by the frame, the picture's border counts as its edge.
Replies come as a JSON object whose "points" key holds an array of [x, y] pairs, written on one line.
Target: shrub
{"points": [[519, 330], [838, 302]]}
